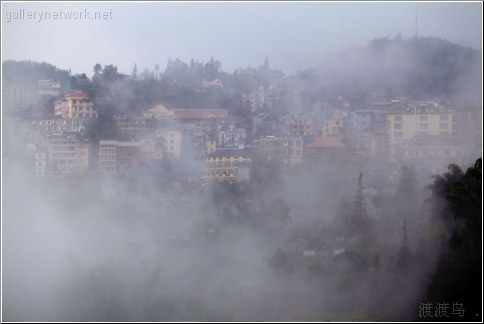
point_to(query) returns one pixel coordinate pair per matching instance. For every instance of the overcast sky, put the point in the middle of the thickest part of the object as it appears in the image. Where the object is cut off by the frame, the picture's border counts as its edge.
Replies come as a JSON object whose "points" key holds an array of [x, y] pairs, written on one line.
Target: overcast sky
{"points": [[293, 35]]}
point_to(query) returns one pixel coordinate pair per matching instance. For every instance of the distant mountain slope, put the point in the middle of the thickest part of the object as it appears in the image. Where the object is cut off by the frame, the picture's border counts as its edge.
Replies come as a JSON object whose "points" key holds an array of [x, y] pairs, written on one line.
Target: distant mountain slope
{"points": [[28, 71], [392, 67]]}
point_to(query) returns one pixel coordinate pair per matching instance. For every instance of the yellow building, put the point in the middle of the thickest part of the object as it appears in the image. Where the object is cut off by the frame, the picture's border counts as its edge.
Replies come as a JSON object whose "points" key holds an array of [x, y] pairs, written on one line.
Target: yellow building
{"points": [[333, 125], [82, 156], [227, 164], [172, 139], [211, 145], [67, 154], [76, 104], [419, 122], [158, 112], [151, 150]]}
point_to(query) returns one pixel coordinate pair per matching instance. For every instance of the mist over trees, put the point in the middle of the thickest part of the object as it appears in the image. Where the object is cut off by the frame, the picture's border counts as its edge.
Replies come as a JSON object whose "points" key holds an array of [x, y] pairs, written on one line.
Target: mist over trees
{"points": [[392, 67], [387, 68], [343, 239]]}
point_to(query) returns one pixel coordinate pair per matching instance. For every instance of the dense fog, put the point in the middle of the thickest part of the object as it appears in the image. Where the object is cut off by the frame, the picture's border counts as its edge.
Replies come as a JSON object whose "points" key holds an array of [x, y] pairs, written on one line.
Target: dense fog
{"points": [[363, 232]]}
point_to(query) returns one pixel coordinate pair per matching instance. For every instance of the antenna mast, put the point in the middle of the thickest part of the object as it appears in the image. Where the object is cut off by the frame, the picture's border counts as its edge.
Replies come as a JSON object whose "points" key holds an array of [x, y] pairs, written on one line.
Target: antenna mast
{"points": [[416, 20]]}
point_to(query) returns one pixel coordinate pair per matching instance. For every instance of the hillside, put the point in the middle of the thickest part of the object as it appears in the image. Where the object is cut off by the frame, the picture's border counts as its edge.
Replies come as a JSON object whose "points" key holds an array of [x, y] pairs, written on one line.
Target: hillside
{"points": [[392, 67]]}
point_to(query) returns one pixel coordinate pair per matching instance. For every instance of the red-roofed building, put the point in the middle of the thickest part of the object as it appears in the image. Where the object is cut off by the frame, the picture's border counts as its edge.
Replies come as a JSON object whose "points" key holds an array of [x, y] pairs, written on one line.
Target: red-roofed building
{"points": [[76, 104], [326, 147]]}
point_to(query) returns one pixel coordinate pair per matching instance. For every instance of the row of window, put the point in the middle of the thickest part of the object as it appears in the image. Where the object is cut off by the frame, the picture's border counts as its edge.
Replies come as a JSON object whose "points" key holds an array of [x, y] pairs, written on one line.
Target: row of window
{"points": [[224, 164], [220, 173], [55, 122], [424, 153], [426, 118], [62, 148], [399, 126], [107, 151], [62, 155], [107, 163], [420, 132], [84, 115], [66, 162]]}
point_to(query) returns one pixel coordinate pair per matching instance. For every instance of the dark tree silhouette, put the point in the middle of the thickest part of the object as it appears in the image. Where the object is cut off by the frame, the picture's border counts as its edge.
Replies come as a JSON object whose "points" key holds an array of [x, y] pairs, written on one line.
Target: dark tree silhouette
{"points": [[459, 274]]}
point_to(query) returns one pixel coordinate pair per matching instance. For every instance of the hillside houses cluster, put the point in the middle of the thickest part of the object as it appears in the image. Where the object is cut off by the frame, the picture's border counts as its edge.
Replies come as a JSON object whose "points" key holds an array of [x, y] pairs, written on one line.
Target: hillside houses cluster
{"points": [[223, 146]]}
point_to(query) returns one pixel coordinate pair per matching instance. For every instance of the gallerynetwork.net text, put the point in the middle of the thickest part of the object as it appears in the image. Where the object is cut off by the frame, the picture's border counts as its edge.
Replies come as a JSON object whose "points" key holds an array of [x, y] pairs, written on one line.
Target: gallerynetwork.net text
{"points": [[39, 16]]}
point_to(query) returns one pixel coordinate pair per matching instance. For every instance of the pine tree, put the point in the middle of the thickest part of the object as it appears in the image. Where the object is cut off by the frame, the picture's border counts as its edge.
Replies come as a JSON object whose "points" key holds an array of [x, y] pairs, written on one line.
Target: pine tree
{"points": [[359, 221], [266, 64], [404, 253], [406, 195], [359, 215], [134, 74]]}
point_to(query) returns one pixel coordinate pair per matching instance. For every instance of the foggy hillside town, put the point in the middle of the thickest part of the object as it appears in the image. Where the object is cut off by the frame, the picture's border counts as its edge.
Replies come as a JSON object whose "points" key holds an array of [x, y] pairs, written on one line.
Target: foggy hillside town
{"points": [[241, 161]]}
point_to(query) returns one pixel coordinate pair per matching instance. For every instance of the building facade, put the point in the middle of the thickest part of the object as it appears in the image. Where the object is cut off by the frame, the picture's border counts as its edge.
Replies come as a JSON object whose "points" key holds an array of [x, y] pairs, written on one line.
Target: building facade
{"points": [[117, 156], [76, 104], [227, 165]]}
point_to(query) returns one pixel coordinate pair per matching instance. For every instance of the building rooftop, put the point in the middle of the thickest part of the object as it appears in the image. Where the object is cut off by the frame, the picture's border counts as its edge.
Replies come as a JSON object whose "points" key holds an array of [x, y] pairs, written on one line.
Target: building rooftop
{"points": [[118, 143], [231, 152], [76, 94], [199, 113]]}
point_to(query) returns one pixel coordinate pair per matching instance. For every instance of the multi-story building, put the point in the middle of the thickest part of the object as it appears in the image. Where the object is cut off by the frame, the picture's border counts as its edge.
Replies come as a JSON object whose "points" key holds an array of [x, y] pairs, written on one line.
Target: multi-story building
{"points": [[227, 165], [301, 126], [274, 147], [152, 149], [135, 128], [198, 115], [76, 104], [231, 136], [334, 124], [423, 122], [37, 129], [369, 145], [249, 102], [19, 98], [469, 133], [158, 112], [329, 148], [435, 148], [365, 120], [49, 88], [67, 154], [295, 150], [287, 149], [172, 141], [117, 156], [40, 164]]}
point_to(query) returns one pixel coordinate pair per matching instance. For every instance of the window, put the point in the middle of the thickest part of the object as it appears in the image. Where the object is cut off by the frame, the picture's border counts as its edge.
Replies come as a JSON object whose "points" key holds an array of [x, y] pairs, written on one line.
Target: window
{"points": [[444, 117], [444, 125], [423, 118], [423, 126], [397, 118], [398, 126]]}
